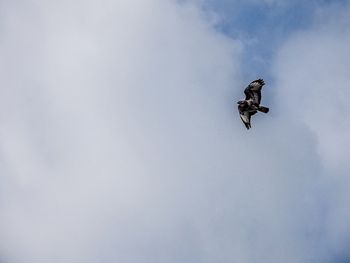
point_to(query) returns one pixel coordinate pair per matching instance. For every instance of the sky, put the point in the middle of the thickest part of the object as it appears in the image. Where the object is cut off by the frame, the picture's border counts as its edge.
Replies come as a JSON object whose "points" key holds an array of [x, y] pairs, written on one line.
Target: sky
{"points": [[120, 139]]}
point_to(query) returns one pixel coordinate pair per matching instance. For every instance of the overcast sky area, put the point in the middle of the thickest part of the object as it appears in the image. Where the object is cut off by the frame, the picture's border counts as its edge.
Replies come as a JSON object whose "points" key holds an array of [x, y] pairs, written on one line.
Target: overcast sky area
{"points": [[120, 139]]}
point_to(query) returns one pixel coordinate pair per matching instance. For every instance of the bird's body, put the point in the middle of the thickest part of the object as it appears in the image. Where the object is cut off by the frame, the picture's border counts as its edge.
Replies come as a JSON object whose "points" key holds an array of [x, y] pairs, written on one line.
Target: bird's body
{"points": [[251, 104]]}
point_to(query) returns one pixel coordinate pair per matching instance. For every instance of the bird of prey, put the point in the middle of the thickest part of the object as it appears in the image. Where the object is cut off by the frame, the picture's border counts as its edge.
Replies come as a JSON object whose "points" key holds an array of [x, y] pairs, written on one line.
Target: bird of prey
{"points": [[251, 104]]}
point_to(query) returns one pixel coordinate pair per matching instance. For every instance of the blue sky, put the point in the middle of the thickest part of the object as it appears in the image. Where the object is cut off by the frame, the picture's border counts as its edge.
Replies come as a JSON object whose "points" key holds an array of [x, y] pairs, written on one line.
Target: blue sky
{"points": [[264, 26], [120, 139]]}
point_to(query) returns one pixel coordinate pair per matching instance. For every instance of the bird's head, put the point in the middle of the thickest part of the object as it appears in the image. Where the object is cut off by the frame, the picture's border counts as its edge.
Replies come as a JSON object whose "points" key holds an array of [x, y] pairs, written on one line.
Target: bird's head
{"points": [[241, 102]]}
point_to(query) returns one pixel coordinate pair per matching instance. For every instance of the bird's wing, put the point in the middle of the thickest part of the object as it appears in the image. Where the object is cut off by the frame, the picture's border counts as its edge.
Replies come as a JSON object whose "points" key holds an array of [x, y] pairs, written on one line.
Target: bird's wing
{"points": [[245, 117], [253, 91]]}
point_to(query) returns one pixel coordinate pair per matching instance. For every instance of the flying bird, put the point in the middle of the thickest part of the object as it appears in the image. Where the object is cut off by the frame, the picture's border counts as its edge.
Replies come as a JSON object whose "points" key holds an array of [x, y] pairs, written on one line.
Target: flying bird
{"points": [[251, 104]]}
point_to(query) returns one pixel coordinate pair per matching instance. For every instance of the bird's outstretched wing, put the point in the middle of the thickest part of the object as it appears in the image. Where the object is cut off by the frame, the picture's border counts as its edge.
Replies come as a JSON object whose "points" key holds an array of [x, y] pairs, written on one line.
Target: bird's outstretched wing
{"points": [[245, 117], [253, 91]]}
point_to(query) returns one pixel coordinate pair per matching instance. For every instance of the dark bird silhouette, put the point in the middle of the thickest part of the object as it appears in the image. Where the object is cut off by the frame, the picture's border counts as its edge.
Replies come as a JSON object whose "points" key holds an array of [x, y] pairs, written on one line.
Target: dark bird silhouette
{"points": [[251, 104]]}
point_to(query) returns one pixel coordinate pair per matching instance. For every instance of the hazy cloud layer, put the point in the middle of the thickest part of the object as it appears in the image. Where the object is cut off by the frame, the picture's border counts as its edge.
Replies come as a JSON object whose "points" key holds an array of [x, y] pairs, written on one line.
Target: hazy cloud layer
{"points": [[311, 71], [120, 140]]}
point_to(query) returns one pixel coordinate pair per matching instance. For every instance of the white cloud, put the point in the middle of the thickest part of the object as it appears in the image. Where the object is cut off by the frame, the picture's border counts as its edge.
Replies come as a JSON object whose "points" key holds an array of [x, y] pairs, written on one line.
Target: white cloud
{"points": [[120, 142], [313, 69], [93, 94]]}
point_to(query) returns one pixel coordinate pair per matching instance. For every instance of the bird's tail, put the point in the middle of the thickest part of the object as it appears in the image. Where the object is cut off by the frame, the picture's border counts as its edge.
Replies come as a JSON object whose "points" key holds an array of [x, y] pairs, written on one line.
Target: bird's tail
{"points": [[263, 109]]}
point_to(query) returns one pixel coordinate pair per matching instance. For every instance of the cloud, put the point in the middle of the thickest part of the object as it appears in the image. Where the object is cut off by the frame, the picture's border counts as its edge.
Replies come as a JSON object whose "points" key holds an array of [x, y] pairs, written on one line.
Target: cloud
{"points": [[311, 70], [120, 141], [96, 96]]}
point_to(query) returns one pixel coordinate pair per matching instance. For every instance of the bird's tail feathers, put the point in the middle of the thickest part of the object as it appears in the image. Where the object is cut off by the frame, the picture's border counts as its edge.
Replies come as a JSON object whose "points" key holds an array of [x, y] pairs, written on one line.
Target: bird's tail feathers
{"points": [[263, 109]]}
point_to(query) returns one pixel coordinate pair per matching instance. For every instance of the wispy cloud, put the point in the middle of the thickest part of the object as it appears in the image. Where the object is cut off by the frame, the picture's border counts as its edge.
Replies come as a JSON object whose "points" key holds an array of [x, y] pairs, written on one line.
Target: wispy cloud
{"points": [[311, 71]]}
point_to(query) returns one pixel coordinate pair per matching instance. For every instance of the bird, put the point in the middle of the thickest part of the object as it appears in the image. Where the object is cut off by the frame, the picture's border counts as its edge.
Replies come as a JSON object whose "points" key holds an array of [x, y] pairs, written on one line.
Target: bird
{"points": [[251, 104]]}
